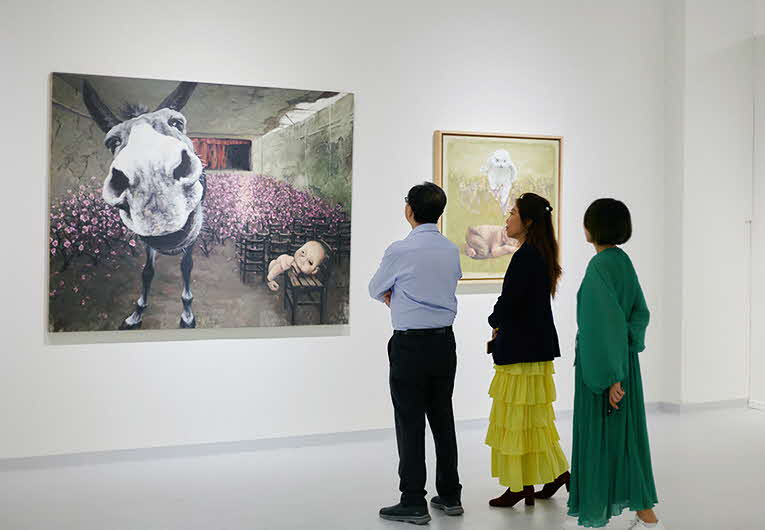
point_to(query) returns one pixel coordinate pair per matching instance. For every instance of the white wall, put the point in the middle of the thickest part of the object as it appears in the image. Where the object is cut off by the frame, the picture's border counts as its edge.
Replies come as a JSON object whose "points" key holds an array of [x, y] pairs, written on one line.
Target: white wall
{"points": [[674, 175], [757, 382], [590, 71], [717, 198]]}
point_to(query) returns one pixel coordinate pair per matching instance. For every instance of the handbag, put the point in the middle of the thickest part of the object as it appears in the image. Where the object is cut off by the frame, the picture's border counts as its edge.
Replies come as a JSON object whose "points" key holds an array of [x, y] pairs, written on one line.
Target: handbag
{"points": [[491, 345]]}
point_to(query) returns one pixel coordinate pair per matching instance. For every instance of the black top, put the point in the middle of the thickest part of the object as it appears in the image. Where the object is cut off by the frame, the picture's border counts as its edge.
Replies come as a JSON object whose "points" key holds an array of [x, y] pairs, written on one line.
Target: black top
{"points": [[523, 312]]}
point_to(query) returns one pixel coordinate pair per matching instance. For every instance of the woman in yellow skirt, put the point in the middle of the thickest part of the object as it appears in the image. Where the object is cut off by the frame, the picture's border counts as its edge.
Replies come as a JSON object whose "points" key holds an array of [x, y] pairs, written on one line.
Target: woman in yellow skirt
{"points": [[525, 447]]}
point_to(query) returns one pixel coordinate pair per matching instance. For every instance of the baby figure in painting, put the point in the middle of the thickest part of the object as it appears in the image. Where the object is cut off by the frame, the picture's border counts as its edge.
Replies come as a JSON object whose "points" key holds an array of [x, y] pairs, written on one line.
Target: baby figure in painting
{"points": [[488, 241], [501, 173], [308, 259]]}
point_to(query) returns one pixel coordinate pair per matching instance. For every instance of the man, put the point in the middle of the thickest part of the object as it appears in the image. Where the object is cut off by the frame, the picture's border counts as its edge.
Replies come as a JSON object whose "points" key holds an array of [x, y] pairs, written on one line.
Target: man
{"points": [[418, 279]]}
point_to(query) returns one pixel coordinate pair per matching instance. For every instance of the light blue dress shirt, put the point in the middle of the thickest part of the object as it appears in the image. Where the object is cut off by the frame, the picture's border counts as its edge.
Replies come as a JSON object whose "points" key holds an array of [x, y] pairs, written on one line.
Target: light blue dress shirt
{"points": [[422, 272]]}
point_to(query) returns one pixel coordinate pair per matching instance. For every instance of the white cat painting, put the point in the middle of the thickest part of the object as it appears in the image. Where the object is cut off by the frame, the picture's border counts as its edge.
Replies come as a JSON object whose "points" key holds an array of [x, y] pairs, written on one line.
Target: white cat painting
{"points": [[501, 173]]}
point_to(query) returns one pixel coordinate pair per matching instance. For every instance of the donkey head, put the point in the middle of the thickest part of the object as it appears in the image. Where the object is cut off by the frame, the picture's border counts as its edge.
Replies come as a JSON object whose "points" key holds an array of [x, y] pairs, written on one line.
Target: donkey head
{"points": [[154, 177]]}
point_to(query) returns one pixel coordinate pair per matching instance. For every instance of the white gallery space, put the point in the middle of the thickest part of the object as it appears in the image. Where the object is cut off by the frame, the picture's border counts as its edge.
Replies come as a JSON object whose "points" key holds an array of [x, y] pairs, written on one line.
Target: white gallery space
{"points": [[350, 265]]}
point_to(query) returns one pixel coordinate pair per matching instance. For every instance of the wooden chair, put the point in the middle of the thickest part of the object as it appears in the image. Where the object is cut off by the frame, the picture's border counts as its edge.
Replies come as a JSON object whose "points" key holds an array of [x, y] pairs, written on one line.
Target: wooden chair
{"points": [[278, 243], [301, 290], [332, 239], [306, 228], [298, 239], [320, 229], [344, 245], [251, 254]]}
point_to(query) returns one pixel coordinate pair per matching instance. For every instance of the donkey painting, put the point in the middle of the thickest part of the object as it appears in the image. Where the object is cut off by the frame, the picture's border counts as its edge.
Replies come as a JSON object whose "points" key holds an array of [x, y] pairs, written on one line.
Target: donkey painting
{"points": [[157, 181]]}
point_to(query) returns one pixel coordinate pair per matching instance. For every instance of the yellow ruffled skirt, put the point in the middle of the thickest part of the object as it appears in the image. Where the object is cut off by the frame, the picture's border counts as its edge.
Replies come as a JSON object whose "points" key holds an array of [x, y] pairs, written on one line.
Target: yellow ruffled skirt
{"points": [[525, 446]]}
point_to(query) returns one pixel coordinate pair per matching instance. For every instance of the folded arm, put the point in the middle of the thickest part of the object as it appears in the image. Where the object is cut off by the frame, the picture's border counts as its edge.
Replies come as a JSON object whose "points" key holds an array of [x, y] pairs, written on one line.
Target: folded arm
{"points": [[383, 281]]}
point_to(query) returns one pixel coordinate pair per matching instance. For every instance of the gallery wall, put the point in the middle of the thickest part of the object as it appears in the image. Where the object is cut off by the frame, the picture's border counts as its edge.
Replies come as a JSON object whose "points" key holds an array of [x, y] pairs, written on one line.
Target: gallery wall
{"points": [[592, 72], [716, 200], [672, 203], [757, 381]]}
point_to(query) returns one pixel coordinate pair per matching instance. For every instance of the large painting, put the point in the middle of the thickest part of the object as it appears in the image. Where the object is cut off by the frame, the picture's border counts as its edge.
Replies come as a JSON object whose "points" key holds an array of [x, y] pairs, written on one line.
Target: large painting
{"points": [[483, 174], [195, 205]]}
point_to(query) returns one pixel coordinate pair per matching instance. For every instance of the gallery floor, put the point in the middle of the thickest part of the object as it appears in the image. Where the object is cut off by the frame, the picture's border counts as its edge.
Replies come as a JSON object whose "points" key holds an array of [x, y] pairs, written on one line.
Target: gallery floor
{"points": [[709, 466]]}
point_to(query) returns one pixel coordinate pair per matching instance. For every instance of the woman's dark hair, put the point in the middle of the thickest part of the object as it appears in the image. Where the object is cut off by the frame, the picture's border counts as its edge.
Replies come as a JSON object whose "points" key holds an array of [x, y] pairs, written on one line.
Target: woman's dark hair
{"points": [[536, 216], [427, 201], [609, 222]]}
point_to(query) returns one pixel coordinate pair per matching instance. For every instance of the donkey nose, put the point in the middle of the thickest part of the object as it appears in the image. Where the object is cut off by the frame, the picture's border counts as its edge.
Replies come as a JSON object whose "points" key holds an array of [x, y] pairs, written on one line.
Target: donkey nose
{"points": [[119, 182], [184, 168]]}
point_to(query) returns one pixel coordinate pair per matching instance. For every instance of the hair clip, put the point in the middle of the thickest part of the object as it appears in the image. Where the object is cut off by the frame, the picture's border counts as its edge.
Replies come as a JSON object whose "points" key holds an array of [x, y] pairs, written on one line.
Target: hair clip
{"points": [[549, 209]]}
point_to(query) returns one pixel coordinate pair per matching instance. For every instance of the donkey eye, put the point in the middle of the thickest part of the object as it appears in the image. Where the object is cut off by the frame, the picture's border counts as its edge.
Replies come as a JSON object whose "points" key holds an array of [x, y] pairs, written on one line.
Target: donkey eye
{"points": [[176, 123], [113, 143]]}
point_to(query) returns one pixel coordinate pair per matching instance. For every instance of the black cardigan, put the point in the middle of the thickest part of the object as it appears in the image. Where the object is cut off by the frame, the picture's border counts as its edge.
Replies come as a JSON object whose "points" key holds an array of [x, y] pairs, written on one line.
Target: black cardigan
{"points": [[523, 312]]}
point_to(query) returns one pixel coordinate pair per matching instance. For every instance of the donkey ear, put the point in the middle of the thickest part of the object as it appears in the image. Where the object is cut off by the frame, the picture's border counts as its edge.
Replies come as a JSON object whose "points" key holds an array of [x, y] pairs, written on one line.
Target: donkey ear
{"points": [[178, 98], [103, 117]]}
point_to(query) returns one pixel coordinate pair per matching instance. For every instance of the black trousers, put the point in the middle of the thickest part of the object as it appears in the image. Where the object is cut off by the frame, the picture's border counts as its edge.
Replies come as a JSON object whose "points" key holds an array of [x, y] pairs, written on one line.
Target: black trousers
{"points": [[422, 369]]}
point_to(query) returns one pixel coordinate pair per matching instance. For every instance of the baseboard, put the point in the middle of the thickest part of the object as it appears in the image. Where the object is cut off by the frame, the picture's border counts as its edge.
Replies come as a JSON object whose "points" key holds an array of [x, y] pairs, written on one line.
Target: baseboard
{"points": [[192, 450], [675, 408], [754, 404], [296, 442]]}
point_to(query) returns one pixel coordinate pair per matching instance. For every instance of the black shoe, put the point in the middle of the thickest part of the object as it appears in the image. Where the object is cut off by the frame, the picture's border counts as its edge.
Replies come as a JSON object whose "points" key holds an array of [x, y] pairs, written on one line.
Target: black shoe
{"points": [[406, 514], [552, 488], [451, 506]]}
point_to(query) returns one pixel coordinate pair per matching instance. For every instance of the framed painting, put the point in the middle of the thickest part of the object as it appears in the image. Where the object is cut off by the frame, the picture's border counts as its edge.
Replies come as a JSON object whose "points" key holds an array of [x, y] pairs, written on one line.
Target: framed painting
{"points": [[178, 204], [483, 174]]}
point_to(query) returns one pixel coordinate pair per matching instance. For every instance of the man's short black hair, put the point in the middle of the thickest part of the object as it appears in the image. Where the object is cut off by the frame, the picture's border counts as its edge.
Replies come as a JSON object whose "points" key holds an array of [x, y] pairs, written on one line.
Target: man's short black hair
{"points": [[427, 201], [609, 222]]}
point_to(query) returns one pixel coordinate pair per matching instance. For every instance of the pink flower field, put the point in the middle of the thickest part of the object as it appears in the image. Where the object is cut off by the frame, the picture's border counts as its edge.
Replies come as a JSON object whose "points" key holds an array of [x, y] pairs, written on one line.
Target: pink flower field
{"points": [[236, 203], [87, 234]]}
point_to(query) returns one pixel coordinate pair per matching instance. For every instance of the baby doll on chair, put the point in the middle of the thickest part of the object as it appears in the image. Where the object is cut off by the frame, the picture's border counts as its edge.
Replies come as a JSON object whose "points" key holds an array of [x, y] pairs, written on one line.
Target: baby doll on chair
{"points": [[488, 241], [308, 259]]}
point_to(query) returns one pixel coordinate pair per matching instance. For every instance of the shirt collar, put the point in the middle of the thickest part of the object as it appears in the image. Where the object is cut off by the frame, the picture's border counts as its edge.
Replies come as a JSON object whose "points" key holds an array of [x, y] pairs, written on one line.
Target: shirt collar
{"points": [[427, 227]]}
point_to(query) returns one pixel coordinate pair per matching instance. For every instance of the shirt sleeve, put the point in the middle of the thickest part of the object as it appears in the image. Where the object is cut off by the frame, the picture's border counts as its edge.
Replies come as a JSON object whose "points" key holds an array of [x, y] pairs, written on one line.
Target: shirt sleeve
{"points": [[602, 339], [385, 277], [638, 322], [513, 291]]}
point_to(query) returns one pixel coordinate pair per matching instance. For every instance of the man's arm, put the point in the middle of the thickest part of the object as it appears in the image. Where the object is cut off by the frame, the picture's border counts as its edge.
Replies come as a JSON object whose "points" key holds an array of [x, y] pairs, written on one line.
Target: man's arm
{"points": [[385, 277]]}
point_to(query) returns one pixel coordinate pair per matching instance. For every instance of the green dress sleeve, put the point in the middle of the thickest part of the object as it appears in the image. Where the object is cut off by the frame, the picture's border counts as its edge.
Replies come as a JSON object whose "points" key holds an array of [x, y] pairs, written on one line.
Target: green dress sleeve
{"points": [[602, 339], [638, 321]]}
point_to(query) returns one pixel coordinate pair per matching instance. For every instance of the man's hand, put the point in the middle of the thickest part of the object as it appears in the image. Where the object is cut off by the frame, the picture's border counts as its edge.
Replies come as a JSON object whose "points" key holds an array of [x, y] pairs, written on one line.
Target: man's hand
{"points": [[615, 395], [494, 333], [386, 298]]}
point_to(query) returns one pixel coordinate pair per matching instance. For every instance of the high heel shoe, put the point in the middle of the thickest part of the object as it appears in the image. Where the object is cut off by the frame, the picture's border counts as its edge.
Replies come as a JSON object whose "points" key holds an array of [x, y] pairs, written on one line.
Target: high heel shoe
{"points": [[551, 488], [511, 498]]}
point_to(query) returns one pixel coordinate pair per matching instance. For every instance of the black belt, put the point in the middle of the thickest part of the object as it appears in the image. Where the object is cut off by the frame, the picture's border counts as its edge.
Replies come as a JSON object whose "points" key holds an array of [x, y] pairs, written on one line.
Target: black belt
{"points": [[432, 331]]}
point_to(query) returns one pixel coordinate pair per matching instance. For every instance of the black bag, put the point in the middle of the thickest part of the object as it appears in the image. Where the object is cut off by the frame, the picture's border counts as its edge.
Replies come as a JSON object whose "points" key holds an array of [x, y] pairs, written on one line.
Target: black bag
{"points": [[491, 345]]}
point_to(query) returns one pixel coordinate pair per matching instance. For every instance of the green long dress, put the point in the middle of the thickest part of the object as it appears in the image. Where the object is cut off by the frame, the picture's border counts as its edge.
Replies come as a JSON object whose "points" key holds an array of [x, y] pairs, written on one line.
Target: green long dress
{"points": [[611, 459]]}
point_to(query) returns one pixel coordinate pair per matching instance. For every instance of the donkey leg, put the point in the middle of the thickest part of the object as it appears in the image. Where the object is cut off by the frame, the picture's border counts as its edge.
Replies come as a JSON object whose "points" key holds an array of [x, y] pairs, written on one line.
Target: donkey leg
{"points": [[135, 320], [187, 263]]}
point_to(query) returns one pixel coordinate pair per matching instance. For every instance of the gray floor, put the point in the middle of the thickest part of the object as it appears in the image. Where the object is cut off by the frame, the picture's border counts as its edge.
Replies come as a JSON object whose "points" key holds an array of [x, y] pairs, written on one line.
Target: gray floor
{"points": [[709, 469]]}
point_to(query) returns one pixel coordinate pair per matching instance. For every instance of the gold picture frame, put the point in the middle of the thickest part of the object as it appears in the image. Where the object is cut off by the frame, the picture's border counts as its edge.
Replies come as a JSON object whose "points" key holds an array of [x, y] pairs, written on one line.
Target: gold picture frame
{"points": [[477, 205]]}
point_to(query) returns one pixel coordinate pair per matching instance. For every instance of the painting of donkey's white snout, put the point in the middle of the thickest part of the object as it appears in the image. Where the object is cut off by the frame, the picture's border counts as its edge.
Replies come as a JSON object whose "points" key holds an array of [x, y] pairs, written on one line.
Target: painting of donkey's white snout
{"points": [[154, 180], [501, 173]]}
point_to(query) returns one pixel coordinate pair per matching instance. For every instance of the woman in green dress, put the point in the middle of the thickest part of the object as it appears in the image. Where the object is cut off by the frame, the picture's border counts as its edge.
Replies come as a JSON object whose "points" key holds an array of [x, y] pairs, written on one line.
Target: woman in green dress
{"points": [[611, 460]]}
